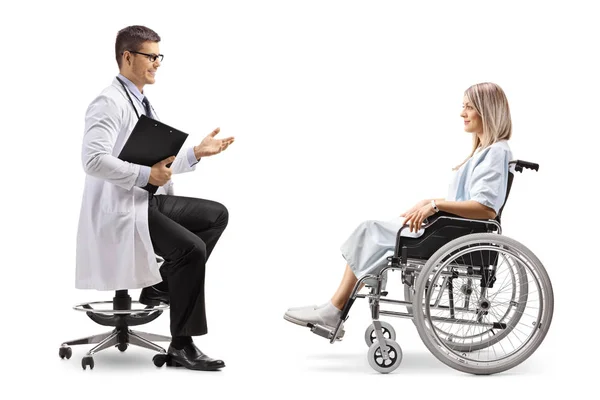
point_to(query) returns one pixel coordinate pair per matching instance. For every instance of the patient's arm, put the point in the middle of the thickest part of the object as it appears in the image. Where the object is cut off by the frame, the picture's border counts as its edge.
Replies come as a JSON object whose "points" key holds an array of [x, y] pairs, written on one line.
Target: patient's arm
{"points": [[419, 205], [466, 209]]}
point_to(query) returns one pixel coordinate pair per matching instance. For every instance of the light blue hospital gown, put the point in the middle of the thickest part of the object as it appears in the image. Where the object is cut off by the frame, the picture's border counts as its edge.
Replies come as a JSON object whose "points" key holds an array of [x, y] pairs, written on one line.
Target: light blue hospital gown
{"points": [[483, 178]]}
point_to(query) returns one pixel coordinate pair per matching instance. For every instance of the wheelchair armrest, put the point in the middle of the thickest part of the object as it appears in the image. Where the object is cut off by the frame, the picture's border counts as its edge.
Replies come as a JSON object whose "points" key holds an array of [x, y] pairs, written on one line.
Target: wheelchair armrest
{"points": [[437, 219], [460, 220]]}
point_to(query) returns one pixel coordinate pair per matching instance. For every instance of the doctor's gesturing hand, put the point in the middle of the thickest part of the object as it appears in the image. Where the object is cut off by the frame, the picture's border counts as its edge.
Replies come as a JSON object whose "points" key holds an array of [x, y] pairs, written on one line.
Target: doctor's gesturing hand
{"points": [[211, 146], [160, 173]]}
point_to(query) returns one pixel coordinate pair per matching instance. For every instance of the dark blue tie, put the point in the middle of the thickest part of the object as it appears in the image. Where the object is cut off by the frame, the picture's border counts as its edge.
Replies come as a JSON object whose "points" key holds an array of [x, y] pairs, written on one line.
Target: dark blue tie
{"points": [[148, 111]]}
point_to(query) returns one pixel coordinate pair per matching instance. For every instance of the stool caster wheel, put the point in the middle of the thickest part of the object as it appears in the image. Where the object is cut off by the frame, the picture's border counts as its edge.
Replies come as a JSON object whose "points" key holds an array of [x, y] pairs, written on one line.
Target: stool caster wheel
{"points": [[160, 359], [87, 360], [122, 347], [65, 352]]}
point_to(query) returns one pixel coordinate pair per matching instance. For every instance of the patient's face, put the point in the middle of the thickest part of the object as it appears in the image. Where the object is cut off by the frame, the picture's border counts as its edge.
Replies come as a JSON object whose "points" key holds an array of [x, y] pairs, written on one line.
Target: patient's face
{"points": [[472, 120]]}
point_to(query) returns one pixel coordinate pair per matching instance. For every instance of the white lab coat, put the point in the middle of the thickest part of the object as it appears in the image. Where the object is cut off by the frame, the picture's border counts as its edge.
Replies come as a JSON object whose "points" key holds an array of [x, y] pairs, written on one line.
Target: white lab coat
{"points": [[114, 250]]}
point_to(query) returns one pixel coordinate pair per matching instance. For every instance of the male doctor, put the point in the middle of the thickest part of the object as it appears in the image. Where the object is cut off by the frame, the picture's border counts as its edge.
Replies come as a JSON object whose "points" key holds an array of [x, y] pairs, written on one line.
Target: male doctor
{"points": [[129, 212]]}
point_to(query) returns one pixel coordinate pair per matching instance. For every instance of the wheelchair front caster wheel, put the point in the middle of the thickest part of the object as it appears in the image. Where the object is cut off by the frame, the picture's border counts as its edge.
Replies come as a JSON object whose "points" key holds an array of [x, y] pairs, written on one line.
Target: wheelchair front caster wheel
{"points": [[122, 347], [160, 359], [65, 352], [87, 360], [377, 360], [386, 328]]}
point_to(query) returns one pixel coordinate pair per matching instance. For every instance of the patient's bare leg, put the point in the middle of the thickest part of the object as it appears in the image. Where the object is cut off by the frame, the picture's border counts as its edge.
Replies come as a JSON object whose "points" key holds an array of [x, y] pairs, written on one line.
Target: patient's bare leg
{"points": [[345, 289]]}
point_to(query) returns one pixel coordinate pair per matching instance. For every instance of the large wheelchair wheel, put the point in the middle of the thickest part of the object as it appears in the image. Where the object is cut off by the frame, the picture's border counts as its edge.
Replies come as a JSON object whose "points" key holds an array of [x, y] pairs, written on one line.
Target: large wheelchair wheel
{"points": [[483, 303], [508, 313]]}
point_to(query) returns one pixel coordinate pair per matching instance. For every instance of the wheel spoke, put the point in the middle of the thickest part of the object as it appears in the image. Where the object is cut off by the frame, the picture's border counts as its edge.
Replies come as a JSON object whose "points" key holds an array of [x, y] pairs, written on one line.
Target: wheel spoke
{"points": [[491, 328]]}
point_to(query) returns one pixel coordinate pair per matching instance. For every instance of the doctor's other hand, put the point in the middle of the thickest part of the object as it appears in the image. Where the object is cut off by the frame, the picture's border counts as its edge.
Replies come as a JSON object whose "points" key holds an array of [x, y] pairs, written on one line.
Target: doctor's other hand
{"points": [[211, 145], [160, 173]]}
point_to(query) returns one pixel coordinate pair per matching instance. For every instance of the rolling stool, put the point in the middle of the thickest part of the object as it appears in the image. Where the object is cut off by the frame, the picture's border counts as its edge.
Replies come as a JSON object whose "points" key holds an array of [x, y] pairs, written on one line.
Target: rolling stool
{"points": [[121, 316]]}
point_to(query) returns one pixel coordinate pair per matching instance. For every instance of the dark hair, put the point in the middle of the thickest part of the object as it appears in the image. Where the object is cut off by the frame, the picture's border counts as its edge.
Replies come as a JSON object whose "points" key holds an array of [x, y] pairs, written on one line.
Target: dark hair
{"points": [[132, 38]]}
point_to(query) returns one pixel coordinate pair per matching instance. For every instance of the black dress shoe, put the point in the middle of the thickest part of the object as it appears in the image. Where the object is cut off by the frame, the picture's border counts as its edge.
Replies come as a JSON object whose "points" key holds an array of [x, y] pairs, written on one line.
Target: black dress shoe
{"points": [[151, 296], [191, 357]]}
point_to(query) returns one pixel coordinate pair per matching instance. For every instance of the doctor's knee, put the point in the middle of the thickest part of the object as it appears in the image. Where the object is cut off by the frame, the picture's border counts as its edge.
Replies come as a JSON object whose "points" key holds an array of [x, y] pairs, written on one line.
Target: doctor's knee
{"points": [[197, 253], [223, 216]]}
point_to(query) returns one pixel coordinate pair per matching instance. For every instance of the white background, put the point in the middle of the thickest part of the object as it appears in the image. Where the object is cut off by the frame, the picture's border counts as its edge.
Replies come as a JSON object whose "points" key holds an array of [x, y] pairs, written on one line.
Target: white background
{"points": [[342, 111]]}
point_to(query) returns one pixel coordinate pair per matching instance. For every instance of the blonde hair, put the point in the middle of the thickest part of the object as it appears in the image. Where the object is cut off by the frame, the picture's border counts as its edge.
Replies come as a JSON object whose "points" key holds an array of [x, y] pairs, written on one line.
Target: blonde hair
{"points": [[491, 104]]}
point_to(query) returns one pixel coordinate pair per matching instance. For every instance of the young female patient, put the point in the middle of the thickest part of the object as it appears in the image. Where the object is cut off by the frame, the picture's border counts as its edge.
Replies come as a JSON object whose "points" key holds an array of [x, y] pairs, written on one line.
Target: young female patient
{"points": [[477, 191]]}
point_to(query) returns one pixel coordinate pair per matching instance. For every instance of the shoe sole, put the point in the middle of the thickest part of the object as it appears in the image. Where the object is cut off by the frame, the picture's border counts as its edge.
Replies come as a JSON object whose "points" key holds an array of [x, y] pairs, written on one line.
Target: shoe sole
{"points": [[152, 303], [294, 320], [304, 323], [173, 363]]}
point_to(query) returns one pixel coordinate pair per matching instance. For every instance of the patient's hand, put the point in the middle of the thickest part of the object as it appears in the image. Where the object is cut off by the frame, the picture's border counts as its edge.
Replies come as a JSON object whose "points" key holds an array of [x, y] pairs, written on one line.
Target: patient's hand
{"points": [[417, 215], [420, 204]]}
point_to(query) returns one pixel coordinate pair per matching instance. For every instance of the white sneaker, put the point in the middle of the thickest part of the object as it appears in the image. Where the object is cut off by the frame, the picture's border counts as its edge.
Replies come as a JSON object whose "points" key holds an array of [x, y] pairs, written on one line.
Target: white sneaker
{"points": [[305, 316], [311, 307]]}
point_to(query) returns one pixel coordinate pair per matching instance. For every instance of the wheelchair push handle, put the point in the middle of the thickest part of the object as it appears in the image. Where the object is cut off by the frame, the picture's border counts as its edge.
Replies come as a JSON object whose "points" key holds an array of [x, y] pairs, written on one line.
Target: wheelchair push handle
{"points": [[520, 164]]}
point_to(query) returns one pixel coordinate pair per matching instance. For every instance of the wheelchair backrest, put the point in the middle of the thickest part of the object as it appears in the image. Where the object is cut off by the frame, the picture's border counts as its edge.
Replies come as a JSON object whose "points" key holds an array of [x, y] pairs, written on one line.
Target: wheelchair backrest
{"points": [[513, 167], [511, 176]]}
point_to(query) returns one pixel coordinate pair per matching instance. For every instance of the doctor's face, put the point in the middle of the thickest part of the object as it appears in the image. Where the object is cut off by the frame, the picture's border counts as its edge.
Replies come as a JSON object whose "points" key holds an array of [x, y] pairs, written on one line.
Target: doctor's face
{"points": [[143, 67], [472, 120]]}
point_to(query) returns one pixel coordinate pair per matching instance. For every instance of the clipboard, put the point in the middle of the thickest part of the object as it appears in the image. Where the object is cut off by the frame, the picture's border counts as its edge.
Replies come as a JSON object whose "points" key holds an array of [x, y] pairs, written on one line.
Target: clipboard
{"points": [[152, 141]]}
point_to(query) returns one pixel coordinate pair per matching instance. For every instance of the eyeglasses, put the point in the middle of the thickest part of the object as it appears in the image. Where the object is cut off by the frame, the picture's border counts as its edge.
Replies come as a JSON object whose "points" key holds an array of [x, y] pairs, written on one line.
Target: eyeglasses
{"points": [[151, 57]]}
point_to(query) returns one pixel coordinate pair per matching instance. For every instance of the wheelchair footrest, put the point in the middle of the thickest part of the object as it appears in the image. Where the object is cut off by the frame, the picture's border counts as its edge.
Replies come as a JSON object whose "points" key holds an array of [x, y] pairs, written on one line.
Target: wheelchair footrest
{"points": [[325, 332]]}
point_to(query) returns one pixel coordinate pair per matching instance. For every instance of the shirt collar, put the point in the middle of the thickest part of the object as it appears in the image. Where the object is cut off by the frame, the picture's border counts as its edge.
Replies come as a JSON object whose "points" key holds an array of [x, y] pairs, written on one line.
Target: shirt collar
{"points": [[132, 88]]}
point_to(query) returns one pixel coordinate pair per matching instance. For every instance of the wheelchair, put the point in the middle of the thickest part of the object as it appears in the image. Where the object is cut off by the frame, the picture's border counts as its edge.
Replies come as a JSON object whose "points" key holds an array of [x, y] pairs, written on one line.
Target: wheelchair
{"points": [[482, 303]]}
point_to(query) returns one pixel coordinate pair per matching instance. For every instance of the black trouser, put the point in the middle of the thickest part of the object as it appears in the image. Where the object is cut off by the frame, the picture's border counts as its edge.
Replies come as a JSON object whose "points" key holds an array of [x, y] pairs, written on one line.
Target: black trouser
{"points": [[184, 231]]}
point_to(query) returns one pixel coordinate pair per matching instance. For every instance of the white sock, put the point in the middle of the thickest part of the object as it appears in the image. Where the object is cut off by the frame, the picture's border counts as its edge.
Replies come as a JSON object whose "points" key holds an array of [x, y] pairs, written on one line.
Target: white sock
{"points": [[330, 313]]}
